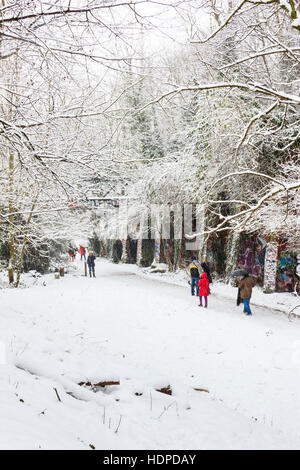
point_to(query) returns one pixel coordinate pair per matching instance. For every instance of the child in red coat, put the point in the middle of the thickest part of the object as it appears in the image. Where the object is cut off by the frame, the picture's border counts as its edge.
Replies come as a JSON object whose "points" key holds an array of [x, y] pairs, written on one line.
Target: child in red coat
{"points": [[203, 289]]}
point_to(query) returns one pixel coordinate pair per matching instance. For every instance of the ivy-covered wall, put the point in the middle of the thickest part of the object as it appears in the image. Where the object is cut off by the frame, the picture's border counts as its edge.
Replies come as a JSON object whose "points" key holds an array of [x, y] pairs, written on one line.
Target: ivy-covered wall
{"points": [[225, 253], [286, 276], [117, 250], [147, 252], [252, 255]]}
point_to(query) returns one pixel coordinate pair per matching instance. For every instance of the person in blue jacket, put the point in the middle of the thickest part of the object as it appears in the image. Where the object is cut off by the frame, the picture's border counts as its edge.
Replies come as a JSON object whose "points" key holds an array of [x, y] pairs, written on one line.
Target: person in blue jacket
{"points": [[194, 270], [91, 263]]}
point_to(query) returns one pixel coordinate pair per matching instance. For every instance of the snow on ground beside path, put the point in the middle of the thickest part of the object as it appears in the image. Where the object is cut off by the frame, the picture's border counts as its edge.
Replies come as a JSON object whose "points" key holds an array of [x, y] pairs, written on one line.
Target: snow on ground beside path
{"points": [[147, 335]]}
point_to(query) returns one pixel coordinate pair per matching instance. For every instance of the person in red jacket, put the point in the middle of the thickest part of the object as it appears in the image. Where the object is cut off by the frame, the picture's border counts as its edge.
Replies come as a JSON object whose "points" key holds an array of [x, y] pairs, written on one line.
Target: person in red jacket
{"points": [[203, 285], [82, 252]]}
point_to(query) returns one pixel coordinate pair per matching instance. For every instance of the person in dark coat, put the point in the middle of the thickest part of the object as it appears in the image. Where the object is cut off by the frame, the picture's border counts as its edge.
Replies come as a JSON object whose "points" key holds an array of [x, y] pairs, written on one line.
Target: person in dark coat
{"points": [[91, 263], [245, 287], [207, 271], [71, 254], [203, 289]]}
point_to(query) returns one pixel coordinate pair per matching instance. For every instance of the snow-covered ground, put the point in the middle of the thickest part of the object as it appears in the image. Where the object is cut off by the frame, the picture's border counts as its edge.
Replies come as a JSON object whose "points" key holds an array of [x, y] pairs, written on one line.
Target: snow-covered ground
{"points": [[128, 326]]}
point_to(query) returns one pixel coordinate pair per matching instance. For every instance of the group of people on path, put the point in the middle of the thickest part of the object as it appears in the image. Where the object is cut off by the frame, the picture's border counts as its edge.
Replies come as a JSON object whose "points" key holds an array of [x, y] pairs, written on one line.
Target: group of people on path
{"points": [[202, 282], [73, 251], [90, 259]]}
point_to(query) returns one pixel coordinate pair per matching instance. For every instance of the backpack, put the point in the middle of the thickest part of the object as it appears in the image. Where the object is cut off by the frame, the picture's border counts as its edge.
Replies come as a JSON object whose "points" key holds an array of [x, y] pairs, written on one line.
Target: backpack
{"points": [[194, 271]]}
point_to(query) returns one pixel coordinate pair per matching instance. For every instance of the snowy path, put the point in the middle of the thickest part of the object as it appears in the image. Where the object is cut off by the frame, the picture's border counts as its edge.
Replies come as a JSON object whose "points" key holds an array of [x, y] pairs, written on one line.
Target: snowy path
{"points": [[148, 335]]}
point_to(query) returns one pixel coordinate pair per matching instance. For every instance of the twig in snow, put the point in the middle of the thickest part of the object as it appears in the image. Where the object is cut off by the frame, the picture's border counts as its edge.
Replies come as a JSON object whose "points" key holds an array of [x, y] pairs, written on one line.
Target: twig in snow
{"points": [[291, 314], [201, 390], [118, 424], [57, 394], [166, 408], [20, 352]]}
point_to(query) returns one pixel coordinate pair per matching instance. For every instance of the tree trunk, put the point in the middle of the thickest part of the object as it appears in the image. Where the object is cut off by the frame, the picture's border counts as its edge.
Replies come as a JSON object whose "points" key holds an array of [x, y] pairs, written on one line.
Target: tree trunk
{"points": [[232, 253], [270, 266], [10, 275], [177, 253], [139, 250], [124, 251], [166, 254], [11, 217], [20, 262]]}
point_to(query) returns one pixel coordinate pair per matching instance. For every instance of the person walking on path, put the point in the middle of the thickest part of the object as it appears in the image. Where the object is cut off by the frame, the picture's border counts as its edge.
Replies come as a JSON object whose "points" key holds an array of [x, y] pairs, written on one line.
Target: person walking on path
{"points": [[203, 289], [194, 270], [71, 254], [206, 270], [91, 263], [245, 286], [82, 252]]}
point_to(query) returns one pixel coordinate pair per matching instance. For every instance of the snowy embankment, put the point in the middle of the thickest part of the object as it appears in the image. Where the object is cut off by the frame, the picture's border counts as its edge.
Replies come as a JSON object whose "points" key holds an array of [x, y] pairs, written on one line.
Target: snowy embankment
{"points": [[234, 380]]}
